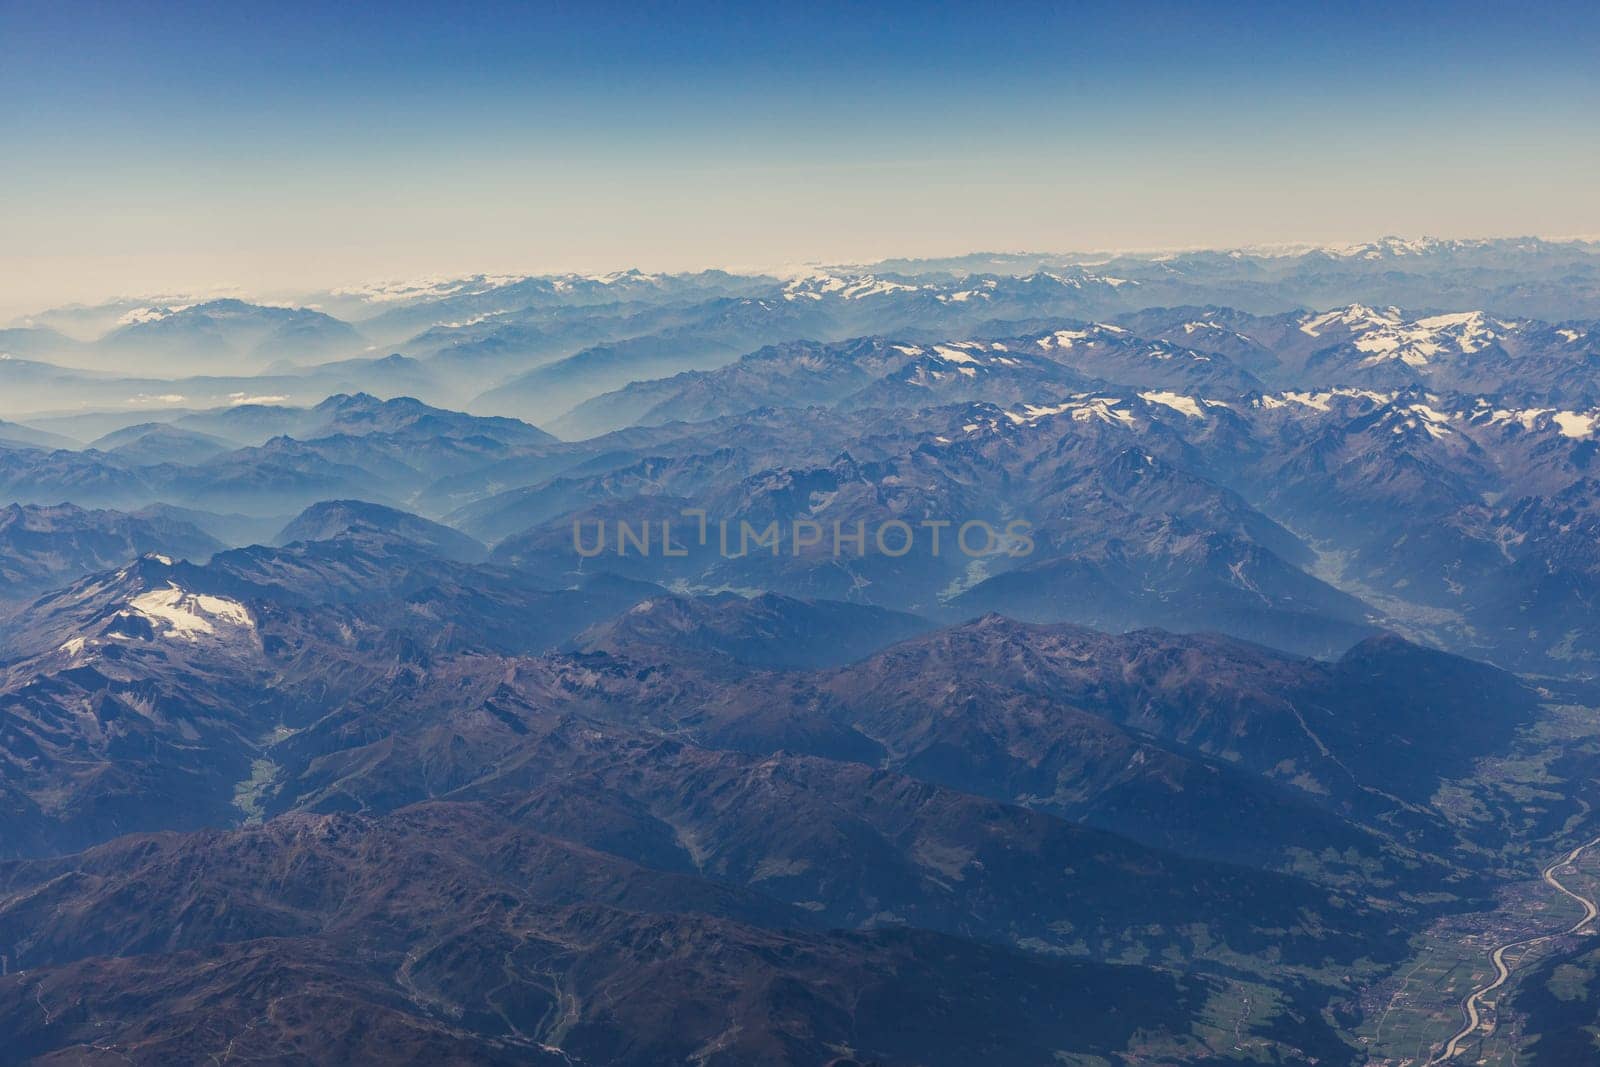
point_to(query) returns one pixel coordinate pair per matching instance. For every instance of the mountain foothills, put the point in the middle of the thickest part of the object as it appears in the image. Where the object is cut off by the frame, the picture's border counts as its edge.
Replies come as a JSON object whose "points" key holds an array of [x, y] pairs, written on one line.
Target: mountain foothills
{"points": [[1011, 658]]}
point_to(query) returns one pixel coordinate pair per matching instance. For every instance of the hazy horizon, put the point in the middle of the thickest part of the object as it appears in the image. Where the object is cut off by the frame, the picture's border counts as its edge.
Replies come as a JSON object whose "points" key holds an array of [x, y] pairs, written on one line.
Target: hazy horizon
{"points": [[292, 147], [268, 295]]}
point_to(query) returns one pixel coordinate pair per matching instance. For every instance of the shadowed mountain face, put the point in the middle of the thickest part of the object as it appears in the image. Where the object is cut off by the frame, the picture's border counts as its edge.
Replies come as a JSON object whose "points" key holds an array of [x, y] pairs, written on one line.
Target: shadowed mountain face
{"points": [[334, 519], [1327, 730], [661, 775], [763, 631], [347, 717], [42, 547], [526, 937]]}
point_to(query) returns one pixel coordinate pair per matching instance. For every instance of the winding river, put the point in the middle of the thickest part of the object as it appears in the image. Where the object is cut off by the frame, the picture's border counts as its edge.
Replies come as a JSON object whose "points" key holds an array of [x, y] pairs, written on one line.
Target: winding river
{"points": [[1470, 1006]]}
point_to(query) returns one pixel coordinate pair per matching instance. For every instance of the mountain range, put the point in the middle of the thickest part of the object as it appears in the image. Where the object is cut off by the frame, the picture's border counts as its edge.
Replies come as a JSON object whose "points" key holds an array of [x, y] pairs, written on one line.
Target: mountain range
{"points": [[1018, 658]]}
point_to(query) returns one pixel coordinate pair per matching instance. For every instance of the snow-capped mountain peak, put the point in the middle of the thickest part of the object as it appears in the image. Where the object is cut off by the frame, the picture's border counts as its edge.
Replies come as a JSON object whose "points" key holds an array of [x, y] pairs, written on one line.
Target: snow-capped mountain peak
{"points": [[1388, 335], [1351, 318], [822, 284]]}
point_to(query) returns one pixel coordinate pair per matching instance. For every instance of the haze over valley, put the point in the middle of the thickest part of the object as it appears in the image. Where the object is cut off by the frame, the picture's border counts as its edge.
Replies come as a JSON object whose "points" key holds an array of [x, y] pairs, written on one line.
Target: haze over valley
{"points": [[324, 724]]}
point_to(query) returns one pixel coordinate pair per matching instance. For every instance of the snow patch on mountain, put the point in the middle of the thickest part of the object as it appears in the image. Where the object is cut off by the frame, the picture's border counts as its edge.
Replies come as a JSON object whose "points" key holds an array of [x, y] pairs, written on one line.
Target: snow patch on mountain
{"points": [[1320, 401], [1386, 335], [1576, 425], [1528, 419], [1398, 247], [818, 285], [1356, 316], [953, 353], [180, 614], [1062, 338], [1411, 419], [1083, 408], [1184, 405], [139, 316], [1070, 338], [985, 291]]}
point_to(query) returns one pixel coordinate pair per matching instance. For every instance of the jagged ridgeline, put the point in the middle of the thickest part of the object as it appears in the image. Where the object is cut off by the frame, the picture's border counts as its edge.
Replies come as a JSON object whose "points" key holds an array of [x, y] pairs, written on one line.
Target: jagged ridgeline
{"points": [[1004, 658]]}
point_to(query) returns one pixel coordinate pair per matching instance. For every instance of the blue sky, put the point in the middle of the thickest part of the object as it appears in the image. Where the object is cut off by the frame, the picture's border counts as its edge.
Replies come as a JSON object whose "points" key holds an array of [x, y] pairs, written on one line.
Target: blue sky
{"points": [[155, 147]]}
